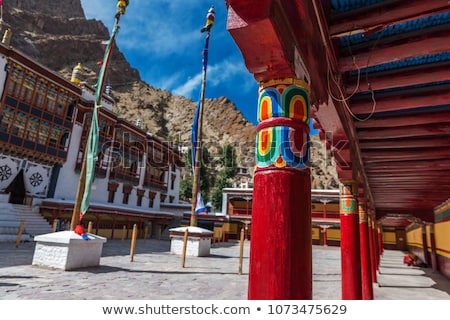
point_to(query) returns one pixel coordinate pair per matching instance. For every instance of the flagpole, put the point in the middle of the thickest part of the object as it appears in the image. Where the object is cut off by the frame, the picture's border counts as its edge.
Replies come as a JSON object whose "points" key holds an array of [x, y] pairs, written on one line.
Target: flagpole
{"points": [[198, 141], [197, 132], [88, 164]]}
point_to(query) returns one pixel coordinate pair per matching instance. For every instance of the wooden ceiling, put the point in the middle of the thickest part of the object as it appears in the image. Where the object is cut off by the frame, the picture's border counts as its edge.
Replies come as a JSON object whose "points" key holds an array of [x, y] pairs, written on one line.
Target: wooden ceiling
{"points": [[380, 77]]}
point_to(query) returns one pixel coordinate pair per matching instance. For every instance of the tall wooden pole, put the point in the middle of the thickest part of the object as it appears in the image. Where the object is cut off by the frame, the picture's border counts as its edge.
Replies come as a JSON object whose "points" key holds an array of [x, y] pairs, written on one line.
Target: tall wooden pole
{"points": [[198, 140], [197, 129], [99, 92]]}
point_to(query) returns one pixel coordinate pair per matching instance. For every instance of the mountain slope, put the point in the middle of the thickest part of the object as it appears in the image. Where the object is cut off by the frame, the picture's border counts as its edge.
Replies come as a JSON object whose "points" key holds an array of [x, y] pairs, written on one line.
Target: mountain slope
{"points": [[57, 35]]}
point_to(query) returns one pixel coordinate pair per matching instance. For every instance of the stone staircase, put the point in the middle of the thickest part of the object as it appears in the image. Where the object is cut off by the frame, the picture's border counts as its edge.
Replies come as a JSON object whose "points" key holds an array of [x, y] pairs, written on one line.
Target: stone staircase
{"points": [[35, 223], [11, 216]]}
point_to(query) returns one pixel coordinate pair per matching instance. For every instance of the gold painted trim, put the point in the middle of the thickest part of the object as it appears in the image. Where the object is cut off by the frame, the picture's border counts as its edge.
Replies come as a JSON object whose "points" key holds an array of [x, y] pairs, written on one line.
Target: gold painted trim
{"points": [[285, 81]]}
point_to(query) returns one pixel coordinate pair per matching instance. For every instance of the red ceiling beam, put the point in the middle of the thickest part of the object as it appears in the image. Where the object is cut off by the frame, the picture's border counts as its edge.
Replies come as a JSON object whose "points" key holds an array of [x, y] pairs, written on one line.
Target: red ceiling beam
{"points": [[419, 47], [396, 199], [400, 10], [418, 165], [406, 173], [425, 214], [425, 74], [407, 187], [411, 173], [409, 178], [404, 120], [399, 195], [400, 102], [271, 33], [404, 155], [405, 132], [405, 143]]}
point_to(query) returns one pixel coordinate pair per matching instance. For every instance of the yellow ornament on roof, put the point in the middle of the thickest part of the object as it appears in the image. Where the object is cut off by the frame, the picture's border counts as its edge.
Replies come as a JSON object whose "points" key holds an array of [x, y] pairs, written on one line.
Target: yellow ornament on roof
{"points": [[76, 74], [122, 6]]}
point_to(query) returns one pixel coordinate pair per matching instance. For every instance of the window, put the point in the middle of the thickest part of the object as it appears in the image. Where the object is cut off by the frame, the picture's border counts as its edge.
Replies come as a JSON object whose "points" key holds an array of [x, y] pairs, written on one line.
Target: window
{"points": [[26, 93], [43, 133], [71, 108], [63, 101], [19, 125], [55, 135], [41, 91], [172, 182], [32, 129], [15, 81], [6, 120], [51, 99]]}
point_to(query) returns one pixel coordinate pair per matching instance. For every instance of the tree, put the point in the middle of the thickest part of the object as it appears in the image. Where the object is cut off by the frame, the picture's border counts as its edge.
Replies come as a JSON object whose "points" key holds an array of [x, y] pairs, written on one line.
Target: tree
{"points": [[186, 188], [186, 184], [228, 163]]}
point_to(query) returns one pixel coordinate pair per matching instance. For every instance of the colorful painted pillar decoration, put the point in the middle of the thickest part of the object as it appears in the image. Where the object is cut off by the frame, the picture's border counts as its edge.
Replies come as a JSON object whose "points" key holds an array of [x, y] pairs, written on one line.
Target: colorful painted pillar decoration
{"points": [[366, 276], [350, 248], [281, 246]]}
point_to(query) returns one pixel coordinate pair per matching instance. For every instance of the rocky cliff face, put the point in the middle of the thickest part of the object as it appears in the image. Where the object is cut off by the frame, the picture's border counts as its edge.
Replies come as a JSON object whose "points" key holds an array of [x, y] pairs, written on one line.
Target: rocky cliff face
{"points": [[57, 35]]}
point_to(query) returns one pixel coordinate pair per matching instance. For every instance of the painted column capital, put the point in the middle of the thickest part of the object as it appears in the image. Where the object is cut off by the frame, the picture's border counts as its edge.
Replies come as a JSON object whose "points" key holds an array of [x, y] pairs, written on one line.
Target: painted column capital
{"points": [[362, 206], [348, 191], [282, 139]]}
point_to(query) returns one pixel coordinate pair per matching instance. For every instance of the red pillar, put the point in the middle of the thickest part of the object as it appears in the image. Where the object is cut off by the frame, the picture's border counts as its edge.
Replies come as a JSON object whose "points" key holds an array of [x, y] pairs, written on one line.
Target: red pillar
{"points": [[350, 249], [380, 242], [281, 246], [373, 253], [366, 275], [324, 230]]}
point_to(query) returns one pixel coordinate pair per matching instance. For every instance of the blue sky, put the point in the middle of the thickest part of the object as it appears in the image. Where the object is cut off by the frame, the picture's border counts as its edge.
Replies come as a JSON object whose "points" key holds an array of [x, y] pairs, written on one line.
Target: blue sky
{"points": [[162, 40]]}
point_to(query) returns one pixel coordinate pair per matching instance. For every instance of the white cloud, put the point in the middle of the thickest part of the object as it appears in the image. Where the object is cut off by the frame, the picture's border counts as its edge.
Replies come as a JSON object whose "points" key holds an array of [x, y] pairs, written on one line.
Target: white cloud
{"points": [[187, 89], [158, 28], [223, 74]]}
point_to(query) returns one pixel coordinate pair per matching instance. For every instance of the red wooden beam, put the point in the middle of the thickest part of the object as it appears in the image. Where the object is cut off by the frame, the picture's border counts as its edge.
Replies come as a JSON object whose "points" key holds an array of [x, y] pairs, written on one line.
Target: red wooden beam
{"points": [[404, 120], [405, 143], [408, 186], [395, 103], [401, 10], [405, 132], [391, 197], [404, 171], [418, 174], [419, 47], [385, 197], [422, 175], [403, 155], [425, 74], [418, 164], [270, 33]]}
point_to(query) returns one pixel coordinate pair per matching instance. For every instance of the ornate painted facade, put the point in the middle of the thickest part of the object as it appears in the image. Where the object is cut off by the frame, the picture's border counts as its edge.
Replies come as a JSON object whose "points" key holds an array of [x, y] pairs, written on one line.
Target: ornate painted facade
{"points": [[44, 123]]}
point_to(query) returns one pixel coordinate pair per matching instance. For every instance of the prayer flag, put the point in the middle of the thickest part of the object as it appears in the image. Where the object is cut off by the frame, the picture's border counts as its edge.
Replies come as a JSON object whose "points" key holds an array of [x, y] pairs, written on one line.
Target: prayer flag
{"points": [[200, 207]]}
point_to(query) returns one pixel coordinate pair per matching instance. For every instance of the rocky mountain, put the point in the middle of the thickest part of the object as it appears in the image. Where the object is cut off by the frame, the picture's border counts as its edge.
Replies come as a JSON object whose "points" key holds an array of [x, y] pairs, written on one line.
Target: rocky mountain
{"points": [[58, 35]]}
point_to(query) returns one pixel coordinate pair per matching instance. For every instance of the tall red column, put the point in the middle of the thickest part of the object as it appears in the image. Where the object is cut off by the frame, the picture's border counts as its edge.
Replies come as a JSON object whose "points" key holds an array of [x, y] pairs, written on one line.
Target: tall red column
{"points": [[350, 248], [373, 251], [281, 246], [380, 242], [366, 276]]}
